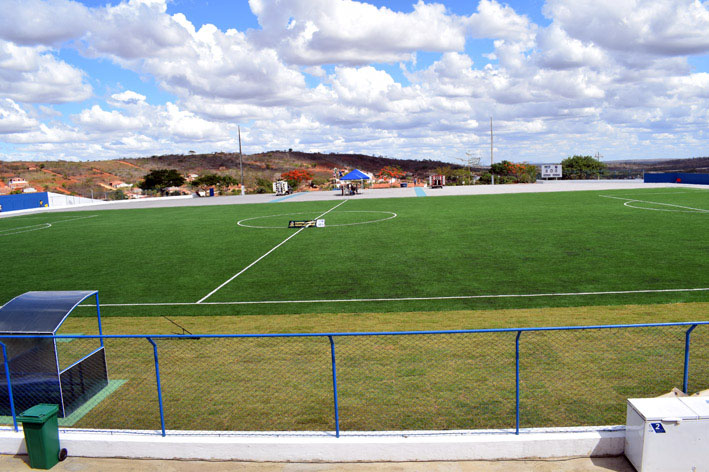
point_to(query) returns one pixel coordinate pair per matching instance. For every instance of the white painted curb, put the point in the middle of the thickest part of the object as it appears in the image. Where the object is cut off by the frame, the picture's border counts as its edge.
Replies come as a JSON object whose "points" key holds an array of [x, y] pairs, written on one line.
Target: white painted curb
{"points": [[325, 447]]}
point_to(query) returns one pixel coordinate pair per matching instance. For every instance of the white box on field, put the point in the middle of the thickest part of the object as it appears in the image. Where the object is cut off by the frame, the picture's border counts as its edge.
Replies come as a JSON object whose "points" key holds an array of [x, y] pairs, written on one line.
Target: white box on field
{"points": [[668, 434]]}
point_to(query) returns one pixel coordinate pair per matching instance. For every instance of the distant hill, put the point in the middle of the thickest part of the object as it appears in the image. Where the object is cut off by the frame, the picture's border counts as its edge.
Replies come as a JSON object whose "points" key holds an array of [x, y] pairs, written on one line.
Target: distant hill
{"points": [[102, 177], [696, 164]]}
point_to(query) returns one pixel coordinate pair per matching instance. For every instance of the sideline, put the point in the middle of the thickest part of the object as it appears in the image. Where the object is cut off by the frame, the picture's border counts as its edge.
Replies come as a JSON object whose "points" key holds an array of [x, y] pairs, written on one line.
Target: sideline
{"points": [[403, 299], [257, 260]]}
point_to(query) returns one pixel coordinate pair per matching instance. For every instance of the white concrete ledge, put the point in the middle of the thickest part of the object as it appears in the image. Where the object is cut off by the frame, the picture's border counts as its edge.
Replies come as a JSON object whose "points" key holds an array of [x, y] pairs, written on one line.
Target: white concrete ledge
{"points": [[325, 447]]}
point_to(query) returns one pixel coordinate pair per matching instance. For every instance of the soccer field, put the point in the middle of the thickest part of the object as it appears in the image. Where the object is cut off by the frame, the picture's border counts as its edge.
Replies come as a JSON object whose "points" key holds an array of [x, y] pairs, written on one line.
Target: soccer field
{"points": [[374, 255]]}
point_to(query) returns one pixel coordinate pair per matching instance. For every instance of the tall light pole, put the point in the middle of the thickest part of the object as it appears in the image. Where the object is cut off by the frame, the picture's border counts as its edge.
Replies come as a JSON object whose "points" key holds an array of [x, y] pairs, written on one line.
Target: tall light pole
{"points": [[492, 176], [241, 162]]}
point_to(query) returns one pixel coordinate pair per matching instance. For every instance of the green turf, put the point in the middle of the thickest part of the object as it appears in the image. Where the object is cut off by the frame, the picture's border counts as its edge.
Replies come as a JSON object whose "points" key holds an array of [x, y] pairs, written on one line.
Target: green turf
{"points": [[443, 246]]}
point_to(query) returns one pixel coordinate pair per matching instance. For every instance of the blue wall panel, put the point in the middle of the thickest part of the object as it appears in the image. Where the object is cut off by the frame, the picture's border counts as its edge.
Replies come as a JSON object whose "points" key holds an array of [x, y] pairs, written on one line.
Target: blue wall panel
{"points": [[664, 177], [23, 201]]}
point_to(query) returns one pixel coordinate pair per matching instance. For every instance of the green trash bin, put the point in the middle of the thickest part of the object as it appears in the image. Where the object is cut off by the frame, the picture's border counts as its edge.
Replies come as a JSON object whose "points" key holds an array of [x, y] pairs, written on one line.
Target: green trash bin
{"points": [[39, 424]]}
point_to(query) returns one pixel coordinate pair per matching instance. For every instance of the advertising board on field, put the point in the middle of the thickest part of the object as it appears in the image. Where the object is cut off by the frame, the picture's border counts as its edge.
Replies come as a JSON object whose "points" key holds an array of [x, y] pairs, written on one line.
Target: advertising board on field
{"points": [[551, 170]]}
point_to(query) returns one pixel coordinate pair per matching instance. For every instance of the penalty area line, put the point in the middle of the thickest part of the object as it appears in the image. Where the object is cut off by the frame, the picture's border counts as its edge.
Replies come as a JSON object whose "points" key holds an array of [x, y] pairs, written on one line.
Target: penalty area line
{"points": [[201, 300], [632, 200], [404, 299]]}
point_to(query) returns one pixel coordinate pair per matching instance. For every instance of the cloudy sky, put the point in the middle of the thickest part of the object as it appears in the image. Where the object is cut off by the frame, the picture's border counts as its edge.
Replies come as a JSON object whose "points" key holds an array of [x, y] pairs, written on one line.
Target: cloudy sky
{"points": [[85, 80]]}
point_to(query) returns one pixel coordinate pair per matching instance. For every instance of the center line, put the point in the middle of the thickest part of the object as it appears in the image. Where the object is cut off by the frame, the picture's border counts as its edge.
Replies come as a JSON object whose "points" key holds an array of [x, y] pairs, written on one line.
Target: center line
{"points": [[269, 252]]}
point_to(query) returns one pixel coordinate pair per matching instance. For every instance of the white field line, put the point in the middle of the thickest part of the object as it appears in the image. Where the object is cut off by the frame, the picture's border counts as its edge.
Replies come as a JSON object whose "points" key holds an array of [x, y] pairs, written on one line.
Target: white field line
{"points": [[38, 226], [257, 260], [403, 299], [631, 200]]}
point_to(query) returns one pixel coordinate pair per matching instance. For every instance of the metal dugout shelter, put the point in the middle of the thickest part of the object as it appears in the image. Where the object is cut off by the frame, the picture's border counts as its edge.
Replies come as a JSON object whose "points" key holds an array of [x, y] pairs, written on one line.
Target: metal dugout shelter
{"points": [[35, 375]]}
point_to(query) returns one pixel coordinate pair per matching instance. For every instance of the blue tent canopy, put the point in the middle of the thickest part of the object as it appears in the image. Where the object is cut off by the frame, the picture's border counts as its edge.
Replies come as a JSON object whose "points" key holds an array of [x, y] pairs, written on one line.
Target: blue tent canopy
{"points": [[355, 175]]}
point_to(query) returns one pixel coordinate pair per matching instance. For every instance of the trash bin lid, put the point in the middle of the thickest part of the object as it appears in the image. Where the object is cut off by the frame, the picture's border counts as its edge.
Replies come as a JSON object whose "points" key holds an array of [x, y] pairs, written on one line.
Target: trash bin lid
{"points": [[38, 413]]}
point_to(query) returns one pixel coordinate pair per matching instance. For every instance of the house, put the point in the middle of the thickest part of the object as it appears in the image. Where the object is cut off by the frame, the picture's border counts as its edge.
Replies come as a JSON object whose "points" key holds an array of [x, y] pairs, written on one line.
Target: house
{"points": [[17, 182], [119, 184], [29, 190], [191, 177]]}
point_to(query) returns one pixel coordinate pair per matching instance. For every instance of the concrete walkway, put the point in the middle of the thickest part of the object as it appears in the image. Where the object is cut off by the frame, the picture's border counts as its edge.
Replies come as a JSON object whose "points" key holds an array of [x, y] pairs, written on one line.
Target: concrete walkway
{"points": [[80, 464]]}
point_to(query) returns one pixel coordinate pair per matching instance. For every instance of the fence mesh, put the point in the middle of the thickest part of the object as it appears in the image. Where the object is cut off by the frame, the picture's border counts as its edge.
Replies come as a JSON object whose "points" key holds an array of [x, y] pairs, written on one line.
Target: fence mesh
{"points": [[447, 381], [432, 381]]}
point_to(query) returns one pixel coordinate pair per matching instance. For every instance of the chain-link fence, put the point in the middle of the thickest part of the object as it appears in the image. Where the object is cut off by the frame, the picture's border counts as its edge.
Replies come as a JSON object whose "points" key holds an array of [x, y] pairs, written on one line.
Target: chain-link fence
{"points": [[447, 380]]}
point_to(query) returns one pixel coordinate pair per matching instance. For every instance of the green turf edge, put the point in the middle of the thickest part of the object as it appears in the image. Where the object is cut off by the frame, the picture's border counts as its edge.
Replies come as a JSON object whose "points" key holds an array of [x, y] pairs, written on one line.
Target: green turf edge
{"points": [[84, 409]]}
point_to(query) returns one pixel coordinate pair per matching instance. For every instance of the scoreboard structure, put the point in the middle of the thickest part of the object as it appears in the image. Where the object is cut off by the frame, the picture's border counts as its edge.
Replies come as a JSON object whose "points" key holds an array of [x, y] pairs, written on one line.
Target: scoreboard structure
{"points": [[551, 170]]}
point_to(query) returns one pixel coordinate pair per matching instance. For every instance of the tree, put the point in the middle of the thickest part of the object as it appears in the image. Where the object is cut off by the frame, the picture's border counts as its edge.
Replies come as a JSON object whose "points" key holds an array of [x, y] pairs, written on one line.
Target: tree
{"points": [[519, 173], [296, 176], [161, 179], [391, 172], [581, 167], [117, 195], [214, 180]]}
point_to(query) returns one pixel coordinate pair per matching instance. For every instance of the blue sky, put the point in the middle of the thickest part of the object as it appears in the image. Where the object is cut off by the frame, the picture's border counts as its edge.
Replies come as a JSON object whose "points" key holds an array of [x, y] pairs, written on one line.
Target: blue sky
{"points": [[95, 80]]}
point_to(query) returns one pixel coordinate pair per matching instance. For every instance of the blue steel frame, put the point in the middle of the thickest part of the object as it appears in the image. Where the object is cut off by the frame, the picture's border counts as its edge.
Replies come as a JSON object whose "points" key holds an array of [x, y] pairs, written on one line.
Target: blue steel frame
{"points": [[692, 325]]}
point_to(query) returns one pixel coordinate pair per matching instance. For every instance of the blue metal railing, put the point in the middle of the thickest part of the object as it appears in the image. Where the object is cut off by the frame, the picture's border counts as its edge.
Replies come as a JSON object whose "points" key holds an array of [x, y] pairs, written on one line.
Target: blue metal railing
{"points": [[331, 337]]}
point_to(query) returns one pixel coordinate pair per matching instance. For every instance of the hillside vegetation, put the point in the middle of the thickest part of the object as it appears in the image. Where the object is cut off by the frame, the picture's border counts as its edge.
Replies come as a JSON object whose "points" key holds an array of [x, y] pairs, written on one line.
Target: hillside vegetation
{"points": [[101, 177], [98, 176]]}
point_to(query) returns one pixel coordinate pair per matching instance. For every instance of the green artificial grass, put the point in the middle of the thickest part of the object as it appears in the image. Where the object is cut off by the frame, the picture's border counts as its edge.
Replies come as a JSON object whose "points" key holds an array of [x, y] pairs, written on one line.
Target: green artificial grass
{"points": [[516, 244]]}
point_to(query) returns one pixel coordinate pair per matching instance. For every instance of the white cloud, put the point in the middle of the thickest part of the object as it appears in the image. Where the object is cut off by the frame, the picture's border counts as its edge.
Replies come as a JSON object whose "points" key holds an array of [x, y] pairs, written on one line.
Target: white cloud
{"points": [[316, 32], [34, 22], [32, 75], [100, 120], [493, 20], [185, 126], [44, 134], [600, 74], [127, 97], [14, 119], [557, 50], [654, 27]]}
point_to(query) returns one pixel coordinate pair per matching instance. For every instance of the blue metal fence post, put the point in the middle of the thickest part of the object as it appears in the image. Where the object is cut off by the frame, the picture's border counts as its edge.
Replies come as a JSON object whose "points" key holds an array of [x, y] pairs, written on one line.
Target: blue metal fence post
{"points": [[519, 333], [9, 386], [98, 315], [685, 384], [157, 378], [334, 387]]}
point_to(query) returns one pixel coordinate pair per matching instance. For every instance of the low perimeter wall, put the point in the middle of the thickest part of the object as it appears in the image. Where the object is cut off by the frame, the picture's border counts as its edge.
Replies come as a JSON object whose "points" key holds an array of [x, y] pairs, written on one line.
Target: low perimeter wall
{"points": [[23, 201], [677, 177], [406, 446]]}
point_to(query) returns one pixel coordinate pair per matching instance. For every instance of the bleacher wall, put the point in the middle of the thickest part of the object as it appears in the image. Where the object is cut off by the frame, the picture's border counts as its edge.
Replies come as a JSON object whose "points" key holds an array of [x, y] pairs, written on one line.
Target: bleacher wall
{"points": [[677, 177]]}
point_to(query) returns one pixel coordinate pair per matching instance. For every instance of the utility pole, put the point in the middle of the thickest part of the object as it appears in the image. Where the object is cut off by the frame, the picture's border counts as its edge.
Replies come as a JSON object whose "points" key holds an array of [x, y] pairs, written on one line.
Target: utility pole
{"points": [[241, 162], [598, 157], [492, 176]]}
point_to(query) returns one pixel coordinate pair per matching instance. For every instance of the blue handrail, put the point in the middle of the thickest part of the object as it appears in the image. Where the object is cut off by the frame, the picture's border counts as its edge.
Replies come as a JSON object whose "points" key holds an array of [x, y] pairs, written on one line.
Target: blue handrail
{"points": [[518, 331], [356, 333]]}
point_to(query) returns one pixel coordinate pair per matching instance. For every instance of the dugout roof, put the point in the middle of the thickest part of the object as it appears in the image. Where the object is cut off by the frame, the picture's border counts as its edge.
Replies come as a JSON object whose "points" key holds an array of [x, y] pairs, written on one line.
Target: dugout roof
{"points": [[40, 312]]}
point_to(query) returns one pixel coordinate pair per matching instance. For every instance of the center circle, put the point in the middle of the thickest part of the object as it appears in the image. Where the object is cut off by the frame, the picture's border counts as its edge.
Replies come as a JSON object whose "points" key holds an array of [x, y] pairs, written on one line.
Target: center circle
{"points": [[254, 223]]}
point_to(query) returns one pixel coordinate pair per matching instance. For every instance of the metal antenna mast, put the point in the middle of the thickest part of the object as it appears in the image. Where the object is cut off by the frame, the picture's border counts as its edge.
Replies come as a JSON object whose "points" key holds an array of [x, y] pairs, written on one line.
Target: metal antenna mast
{"points": [[241, 162], [492, 176]]}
